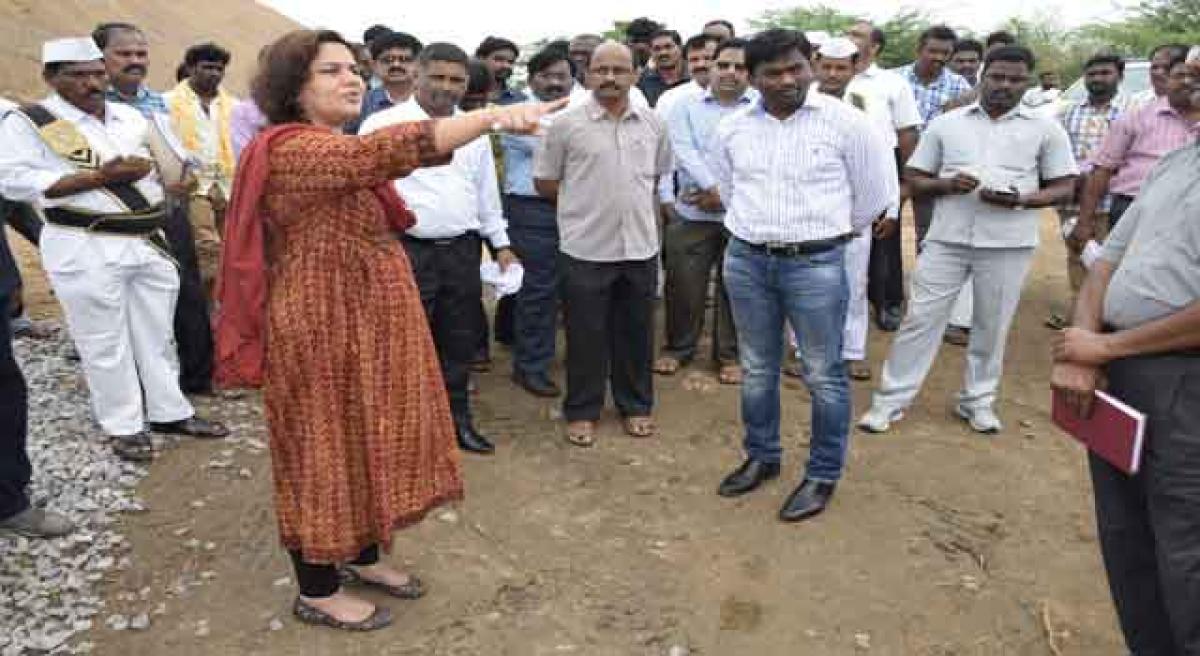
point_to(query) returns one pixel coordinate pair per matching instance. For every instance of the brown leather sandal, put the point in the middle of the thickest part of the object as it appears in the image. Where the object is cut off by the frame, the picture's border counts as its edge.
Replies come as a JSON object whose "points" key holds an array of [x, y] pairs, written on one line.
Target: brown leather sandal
{"points": [[382, 617], [414, 588]]}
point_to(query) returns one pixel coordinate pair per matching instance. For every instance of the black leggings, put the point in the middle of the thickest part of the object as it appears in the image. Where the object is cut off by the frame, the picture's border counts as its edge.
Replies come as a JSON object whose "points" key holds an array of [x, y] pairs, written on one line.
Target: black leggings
{"points": [[318, 581]]}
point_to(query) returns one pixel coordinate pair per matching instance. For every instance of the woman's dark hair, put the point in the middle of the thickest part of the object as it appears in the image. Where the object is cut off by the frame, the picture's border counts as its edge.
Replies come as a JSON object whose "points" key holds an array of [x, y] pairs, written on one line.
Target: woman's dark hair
{"points": [[1010, 54], [769, 45], [206, 52], [285, 71]]}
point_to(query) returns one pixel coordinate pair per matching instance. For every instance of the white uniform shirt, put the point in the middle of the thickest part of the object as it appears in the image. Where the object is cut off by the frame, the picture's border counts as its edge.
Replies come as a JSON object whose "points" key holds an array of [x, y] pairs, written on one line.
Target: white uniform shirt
{"points": [[453, 199], [28, 168], [897, 109]]}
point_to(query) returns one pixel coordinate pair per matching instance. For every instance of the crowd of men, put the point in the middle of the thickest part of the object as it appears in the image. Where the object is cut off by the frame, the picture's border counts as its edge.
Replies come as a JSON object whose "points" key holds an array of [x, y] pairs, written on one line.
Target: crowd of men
{"points": [[763, 178]]}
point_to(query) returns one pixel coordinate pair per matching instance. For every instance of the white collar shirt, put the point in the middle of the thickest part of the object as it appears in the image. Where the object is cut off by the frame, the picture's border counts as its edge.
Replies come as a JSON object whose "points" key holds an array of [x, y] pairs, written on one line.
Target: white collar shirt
{"points": [[896, 107]]}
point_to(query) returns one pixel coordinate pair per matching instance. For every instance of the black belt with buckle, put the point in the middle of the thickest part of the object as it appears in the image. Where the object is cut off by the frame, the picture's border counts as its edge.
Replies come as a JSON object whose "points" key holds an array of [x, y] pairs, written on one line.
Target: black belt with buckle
{"points": [[440, 241], [796, 249], [138, 224]]}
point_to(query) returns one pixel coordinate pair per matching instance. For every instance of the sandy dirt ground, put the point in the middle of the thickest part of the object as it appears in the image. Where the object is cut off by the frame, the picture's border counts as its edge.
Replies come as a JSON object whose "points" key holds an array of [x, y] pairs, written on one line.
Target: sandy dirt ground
{"points": [[939, 542]]}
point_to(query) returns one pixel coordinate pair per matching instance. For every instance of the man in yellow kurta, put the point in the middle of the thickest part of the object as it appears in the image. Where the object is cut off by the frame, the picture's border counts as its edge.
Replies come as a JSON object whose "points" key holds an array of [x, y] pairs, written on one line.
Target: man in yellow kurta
{"points": [[200, 113]]}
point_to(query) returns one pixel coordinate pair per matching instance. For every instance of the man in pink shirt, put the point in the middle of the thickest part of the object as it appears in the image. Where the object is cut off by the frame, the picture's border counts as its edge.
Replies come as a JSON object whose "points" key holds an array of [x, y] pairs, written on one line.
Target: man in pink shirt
{"points": [[1133, 145]]}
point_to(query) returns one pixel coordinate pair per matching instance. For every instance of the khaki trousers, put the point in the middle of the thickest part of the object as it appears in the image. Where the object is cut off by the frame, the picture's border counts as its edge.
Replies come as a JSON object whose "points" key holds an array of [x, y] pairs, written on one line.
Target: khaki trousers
{"points": [[206, 212]]}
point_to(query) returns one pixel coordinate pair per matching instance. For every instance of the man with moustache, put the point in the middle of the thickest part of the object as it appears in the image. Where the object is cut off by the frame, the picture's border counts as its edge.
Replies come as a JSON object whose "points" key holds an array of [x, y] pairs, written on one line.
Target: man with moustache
{"points": [[87, 165], [698, 52], [500, 55], [395, 55], [1086, 123], [1160, 61], [533, 228], [895, 106], [600, 161], [127, 60], [835, 65], [666, 47], [987, 168], [798, 173], [1136, 333], [455, 206], [201, 111], [965, 60], [694, 238]]}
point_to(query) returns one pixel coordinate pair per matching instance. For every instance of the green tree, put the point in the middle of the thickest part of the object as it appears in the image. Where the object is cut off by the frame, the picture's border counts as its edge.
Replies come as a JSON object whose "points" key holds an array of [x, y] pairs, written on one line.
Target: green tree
{"points": [[1151, 23], [806, 19], [903, 31]]}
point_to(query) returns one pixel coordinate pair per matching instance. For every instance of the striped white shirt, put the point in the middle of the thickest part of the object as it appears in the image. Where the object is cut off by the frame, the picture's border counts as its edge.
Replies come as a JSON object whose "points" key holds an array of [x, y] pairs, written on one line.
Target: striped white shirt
{"points": [[822, 172]]}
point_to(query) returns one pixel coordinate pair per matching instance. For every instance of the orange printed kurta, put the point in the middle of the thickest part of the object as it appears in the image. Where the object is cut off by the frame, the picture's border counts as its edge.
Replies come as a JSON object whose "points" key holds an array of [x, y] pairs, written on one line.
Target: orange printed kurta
{"points": [[362, 441]]}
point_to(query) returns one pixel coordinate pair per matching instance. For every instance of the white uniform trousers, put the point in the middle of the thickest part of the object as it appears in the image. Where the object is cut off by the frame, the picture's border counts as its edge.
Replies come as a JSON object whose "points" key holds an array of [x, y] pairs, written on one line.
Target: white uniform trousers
{"points": [[963, 307], [997, 276], [119, 295], [857, 263]]}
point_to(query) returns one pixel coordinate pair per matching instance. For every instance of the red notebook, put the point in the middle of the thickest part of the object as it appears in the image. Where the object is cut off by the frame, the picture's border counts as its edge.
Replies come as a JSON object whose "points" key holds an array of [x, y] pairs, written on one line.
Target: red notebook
{"points": [[1115, 431]]}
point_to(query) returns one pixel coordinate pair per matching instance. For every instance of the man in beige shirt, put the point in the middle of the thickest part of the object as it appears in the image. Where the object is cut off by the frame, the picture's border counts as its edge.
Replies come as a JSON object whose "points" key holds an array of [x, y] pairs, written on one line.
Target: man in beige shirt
{"points": [[601, 160]]}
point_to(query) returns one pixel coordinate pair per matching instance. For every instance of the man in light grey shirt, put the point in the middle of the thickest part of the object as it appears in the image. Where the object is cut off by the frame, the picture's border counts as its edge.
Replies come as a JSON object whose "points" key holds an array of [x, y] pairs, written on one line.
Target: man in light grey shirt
{"points": [[987, 166], [600, 160], [1137, 326]]}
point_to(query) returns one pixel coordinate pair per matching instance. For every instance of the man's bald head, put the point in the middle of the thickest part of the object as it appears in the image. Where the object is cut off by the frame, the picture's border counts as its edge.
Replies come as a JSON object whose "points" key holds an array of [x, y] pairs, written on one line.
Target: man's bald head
{"points": [[611, 72]]}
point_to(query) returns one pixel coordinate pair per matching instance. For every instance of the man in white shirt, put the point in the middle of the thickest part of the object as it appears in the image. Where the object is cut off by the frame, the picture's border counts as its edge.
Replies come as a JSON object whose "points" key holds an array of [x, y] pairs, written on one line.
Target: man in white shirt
{"points": [[455, 206], [799, 173], [885, 273], [87, 165]]}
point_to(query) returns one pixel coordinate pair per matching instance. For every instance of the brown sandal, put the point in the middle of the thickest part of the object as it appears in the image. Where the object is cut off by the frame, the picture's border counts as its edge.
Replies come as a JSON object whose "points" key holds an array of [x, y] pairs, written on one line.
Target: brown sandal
{"points": [[581, 433], [382, 617], [414, 588], [639, 427]]}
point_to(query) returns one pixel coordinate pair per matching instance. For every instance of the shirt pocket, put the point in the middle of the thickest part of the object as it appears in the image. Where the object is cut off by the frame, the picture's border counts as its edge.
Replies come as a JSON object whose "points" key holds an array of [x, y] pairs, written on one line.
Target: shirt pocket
{"points": [[642, 157], [814, 163]]}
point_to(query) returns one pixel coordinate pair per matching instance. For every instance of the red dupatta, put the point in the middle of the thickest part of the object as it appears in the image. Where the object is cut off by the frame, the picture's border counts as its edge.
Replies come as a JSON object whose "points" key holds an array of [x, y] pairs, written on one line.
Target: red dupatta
{"points": [[239, 324]]}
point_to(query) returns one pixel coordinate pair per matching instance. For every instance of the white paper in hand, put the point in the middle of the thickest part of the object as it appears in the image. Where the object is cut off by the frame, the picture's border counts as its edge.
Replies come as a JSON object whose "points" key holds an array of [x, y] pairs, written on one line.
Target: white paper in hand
{"points": [[505, 283], [1091, 253]]}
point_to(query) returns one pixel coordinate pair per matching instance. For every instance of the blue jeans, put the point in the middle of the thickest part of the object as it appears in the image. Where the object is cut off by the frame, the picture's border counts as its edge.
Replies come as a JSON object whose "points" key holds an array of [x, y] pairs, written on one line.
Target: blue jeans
{"points": [[534, 234], [810, 293]]}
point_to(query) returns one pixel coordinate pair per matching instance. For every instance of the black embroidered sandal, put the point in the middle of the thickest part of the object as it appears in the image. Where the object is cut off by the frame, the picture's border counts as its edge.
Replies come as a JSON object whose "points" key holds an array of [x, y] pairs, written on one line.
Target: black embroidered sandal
{"points": [[413, 588], [381, 618]]}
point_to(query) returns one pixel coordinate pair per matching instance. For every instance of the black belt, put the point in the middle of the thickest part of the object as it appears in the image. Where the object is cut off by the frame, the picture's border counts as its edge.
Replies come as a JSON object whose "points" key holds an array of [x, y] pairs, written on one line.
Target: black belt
{"points": [[134, 225], [796, 249], [439, 241]]}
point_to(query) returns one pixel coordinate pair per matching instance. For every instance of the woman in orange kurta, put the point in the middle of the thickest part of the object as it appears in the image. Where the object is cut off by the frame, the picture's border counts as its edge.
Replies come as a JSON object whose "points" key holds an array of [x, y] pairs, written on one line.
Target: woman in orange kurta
{"points": [[318, 303]]}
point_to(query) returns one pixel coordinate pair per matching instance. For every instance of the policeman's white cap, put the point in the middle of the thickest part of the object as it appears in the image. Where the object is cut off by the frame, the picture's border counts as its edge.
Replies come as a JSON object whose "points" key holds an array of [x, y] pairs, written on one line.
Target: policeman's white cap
{"points": [[75, 49], [838, 47]]}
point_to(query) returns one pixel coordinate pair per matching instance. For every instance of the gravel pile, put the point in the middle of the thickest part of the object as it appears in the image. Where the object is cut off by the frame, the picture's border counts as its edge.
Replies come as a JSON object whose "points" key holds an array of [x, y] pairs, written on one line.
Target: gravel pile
{"points": [[49, 588]]}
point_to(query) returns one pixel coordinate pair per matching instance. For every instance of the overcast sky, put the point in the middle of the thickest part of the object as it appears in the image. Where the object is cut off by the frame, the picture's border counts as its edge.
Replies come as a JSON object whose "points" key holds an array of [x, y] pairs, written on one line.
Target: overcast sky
{"points": [[524, 21]]}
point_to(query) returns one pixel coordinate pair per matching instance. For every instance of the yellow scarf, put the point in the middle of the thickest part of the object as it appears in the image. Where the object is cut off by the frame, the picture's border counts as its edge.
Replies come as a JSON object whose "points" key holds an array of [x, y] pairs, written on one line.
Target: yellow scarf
{"points": [[185, 106]]}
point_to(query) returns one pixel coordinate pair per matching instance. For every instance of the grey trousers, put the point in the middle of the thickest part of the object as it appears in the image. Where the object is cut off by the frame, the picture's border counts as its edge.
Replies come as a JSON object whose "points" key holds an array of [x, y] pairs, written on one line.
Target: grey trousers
{"points": [[996, 276], [1149, 524], [964, 306]]}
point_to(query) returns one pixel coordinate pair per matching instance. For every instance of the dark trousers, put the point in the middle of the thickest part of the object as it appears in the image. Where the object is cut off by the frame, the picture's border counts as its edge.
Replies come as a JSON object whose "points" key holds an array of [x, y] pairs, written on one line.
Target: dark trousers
{"points": [[317, 581], [885, 271], [1120, 203], [534, 233], [15, 470], [193, 329], [692, 249], [447, 274], [1149, 524], [609, 309]]}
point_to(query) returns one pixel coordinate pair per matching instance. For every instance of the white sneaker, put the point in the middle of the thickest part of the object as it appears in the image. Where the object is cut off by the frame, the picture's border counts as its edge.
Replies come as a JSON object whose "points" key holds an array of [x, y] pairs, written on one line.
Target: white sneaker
{"points": [[982, 420], [879, 419]]}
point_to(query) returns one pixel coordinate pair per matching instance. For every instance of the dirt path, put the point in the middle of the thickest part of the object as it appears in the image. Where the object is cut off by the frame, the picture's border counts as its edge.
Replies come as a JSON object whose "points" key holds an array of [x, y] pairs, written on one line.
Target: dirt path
{"points": [[938, 542]]}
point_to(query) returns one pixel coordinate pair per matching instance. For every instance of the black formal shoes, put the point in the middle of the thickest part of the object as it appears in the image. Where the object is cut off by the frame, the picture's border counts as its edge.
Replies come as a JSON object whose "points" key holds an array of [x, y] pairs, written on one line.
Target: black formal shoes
{"points": [[537, 384], [888, 318], [807, 500], [192, 426], [470, 440], [747, 477]]}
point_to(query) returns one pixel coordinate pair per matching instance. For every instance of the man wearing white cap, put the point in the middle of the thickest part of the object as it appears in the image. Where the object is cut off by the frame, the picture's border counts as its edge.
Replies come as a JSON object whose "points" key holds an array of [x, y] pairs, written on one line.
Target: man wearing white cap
{"points": [[836, 60], [87, 164]]}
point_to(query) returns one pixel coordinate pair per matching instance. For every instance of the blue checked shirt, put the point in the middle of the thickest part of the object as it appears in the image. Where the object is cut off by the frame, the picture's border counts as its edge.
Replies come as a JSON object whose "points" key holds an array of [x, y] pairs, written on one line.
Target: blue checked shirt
{"points": [[931, 97], [145, 101], [1086, 125]]}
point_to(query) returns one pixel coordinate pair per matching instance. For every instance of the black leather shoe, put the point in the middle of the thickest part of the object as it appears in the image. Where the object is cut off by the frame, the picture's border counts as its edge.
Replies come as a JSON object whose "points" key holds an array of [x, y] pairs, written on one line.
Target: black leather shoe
{"points": [[192, 426], [807, 500], [888, 318], [470, 440], [537, 384], [747, 477]]}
